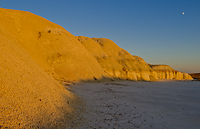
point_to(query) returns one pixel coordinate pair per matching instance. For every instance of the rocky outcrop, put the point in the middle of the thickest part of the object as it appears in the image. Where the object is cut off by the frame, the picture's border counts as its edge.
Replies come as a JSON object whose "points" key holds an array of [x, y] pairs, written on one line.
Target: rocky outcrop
{"points": [[166, 72]]}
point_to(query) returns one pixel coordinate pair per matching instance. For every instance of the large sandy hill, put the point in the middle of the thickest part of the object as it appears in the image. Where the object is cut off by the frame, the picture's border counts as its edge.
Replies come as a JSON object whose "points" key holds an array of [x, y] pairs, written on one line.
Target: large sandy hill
{"points": [[51, 46], [33, 52], [29, 97]]}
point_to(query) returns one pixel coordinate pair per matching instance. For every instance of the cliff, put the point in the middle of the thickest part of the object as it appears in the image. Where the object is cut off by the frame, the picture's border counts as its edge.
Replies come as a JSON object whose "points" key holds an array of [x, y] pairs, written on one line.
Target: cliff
{"points": [[117, 62], [36, 55], [166, 72]]}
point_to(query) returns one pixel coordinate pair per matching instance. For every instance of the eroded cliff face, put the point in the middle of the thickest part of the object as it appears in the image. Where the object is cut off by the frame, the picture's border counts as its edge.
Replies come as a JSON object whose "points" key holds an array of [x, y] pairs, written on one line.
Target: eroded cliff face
{"points": [[166, 72], [71, 58], [117, 62]]}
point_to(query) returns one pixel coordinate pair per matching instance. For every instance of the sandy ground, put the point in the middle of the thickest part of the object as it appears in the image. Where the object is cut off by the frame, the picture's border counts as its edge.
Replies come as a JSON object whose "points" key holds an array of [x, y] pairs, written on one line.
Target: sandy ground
{"points": [[126, 105]]}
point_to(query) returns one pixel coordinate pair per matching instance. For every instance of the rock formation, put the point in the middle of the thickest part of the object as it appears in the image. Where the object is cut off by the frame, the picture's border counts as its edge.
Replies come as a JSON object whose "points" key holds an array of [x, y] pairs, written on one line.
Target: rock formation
{"points": [[117, 62], [36, 55], [166, 72]]}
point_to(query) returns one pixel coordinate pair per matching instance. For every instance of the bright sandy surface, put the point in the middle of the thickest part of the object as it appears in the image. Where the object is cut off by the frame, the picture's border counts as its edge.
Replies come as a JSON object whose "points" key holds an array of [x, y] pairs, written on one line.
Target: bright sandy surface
{"points": [[126, 104]]}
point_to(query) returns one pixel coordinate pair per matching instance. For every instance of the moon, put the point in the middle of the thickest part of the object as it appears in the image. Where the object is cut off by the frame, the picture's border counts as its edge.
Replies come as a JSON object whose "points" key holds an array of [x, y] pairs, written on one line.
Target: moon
{"points": [[183, 13]]}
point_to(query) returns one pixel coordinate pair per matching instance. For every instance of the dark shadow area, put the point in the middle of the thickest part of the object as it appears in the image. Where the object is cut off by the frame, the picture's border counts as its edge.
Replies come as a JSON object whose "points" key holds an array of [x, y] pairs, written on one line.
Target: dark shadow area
{"points": [[195, 75], [106, 80]]}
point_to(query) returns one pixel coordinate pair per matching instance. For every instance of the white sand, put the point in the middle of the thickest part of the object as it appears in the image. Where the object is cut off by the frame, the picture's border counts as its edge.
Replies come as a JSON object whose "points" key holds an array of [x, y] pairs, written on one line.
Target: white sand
{"points": [[126, 104]]}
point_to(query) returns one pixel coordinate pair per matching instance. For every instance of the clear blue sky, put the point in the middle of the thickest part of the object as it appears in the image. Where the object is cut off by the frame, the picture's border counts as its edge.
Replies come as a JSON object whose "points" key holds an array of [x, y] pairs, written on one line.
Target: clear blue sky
{"points": [[155, 30]]}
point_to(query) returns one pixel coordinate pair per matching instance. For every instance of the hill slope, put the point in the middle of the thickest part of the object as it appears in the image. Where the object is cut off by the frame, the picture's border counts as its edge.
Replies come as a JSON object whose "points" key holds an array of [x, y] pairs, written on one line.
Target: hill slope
{"points": [[51, 46], [28, 95]]}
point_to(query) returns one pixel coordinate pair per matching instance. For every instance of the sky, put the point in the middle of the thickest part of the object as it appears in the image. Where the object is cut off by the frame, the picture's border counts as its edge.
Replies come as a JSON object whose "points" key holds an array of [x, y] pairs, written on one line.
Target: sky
{"points": [[155, 30]]}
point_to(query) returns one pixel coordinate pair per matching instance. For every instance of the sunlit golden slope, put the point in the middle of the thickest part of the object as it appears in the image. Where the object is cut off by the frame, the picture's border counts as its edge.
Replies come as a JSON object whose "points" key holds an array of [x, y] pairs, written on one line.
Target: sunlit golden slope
{"points": [[132, 68], [51, 46], [116, 61]]}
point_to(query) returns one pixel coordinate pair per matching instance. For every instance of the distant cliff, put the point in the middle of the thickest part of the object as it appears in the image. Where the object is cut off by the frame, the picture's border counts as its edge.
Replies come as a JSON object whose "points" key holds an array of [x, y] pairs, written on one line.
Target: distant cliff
{"points": [[195, 76], [166, 72], [118, 63]]}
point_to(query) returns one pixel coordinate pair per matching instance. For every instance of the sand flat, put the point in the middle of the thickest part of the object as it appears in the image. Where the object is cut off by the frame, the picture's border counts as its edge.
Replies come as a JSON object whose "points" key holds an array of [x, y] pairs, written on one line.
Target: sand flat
{"points": [[126, 104]]}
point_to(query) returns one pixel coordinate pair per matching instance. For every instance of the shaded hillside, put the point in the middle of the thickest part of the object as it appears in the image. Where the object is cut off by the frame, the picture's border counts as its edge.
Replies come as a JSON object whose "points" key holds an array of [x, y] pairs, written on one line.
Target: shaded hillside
{"points": [[195, 75]]}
